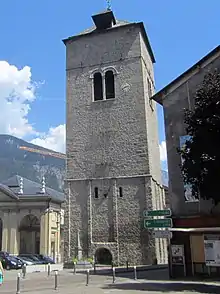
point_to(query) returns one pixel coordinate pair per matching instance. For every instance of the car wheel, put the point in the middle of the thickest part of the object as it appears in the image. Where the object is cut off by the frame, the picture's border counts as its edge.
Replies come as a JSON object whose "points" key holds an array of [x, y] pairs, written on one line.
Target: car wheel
{"points": [[8, 267]]}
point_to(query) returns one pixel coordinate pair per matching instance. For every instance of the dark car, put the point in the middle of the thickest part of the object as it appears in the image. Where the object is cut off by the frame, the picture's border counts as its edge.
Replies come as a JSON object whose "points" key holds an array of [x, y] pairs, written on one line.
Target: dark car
{"points": [[45, 259], [3, 254], [11, 262], [31, 257]]}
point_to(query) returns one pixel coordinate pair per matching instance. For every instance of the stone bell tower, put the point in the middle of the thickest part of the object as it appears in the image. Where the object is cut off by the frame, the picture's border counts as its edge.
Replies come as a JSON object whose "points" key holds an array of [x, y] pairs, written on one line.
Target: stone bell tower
{"points": [[113, 161]]}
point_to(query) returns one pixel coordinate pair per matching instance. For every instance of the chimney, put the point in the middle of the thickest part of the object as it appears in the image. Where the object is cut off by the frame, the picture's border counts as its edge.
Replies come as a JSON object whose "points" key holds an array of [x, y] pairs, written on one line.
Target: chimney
{"points": [[21, 186], [43, 190]]}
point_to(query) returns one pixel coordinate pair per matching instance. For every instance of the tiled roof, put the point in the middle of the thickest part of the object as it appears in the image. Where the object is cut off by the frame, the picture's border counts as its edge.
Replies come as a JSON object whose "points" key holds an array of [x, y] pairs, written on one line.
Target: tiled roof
{"points": [[119, 23], [6, 190], [31, 189]]}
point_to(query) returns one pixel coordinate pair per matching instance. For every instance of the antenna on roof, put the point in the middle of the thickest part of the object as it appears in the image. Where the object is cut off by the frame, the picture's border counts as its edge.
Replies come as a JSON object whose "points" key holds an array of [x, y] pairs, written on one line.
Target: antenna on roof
{"points": [[108, 4]]}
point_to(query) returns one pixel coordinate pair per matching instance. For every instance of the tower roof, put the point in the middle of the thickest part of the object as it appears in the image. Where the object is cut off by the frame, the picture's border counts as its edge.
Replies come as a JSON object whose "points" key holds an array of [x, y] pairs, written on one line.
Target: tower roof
{"points": [[106, 21]]}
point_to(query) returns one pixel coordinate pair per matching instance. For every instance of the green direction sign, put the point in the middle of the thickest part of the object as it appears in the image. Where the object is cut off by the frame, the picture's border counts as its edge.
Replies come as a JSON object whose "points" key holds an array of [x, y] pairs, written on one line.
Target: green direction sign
{"points": [[158, 223], [165, 212]]}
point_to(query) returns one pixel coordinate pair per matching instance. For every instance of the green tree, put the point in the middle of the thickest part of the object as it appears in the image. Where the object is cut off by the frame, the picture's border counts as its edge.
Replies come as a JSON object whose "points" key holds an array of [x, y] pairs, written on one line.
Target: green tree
{"points": [[201, 155]]}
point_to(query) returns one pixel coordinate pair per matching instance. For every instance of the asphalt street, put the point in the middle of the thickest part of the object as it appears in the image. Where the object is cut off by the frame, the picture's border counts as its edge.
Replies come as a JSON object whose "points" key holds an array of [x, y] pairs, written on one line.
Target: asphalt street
{"points": [[151, 281]]}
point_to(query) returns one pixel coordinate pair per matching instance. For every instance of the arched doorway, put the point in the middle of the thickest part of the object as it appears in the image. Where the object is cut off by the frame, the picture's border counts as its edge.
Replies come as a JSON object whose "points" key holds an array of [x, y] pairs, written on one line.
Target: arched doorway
{"points": [[103, 256], [1, 225], [30, 234]]}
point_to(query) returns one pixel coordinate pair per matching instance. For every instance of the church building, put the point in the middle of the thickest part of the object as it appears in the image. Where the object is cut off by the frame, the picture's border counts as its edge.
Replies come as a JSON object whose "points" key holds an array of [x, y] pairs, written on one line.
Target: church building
{"points": [[113, 161]]}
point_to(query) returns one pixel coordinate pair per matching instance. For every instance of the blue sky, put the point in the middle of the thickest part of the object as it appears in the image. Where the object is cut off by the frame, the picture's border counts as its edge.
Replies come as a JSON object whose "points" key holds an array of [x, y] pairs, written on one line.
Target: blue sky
{"points": [[180, 32]]}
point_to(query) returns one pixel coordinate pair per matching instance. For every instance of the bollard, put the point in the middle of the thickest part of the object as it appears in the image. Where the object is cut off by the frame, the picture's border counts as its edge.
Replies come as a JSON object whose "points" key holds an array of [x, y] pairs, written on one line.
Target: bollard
{"points": [[94, 267], [127, 264], [113, 275], [24, 271], [135, 272], [48, 269], [87, 277], [74, 267], [18, 290], [56, 280]]}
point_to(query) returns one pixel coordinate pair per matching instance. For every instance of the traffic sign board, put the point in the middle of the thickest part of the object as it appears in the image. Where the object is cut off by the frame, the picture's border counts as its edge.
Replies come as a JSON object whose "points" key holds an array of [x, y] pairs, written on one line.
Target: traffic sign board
{"points": [[164, 212], [162, 234], [158, 223]]}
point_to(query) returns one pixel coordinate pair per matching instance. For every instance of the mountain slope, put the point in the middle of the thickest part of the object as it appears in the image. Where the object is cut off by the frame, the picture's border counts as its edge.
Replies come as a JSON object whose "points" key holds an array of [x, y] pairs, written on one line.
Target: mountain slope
{"points": [[14, 161]]}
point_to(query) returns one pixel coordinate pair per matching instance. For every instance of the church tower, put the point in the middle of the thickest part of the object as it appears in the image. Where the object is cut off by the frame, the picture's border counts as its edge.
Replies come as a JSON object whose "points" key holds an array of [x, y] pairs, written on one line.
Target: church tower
{"points": [[113, 162]]}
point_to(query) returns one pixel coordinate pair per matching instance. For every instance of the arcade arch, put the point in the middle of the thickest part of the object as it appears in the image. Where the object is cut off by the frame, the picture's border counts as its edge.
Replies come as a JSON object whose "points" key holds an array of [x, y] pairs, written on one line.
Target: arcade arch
{"points": [[103, 256], [30, 234]]}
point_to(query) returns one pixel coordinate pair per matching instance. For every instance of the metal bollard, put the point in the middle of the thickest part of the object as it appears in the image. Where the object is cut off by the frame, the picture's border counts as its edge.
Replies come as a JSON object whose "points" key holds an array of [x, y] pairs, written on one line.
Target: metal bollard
{"points": [[56, 280], [48, 269], [87, 277], [94, 267], [24, 271], [135, 272], [113, 275], [18, 290], [74, 267]]}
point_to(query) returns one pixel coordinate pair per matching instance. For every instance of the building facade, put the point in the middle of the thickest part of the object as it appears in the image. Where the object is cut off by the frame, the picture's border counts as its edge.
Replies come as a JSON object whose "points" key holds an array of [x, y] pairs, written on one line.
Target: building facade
{"points": [[31, 217], [113, 161], [193, 219]]}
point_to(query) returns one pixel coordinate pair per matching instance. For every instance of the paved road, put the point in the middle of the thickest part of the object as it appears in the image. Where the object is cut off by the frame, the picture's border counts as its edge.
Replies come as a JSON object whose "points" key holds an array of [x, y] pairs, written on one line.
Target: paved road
{"points": [[153, 281]]}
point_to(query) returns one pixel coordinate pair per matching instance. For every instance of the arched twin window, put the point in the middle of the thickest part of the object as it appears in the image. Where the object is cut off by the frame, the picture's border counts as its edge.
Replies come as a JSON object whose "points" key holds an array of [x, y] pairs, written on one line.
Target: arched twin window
{"points": [[109, 84], [106, 92], [98, 86]]}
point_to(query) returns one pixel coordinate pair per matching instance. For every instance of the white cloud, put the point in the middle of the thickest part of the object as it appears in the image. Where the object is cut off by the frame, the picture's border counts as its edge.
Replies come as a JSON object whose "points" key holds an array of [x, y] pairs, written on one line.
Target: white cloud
{"points": [[163, 151], [55, 139], [17, 92]]}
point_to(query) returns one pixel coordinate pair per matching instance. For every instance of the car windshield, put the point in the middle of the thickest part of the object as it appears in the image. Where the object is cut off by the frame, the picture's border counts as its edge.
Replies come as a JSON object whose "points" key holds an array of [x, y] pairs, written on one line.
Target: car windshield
{"points": [[25, 258], [31, 257], [12, 258], [34, 258]]}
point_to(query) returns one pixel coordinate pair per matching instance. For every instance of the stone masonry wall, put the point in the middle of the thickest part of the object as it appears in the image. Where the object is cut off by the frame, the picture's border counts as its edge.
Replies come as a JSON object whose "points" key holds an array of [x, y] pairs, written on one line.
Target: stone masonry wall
{"points": [[102, 137], [109, 146]]}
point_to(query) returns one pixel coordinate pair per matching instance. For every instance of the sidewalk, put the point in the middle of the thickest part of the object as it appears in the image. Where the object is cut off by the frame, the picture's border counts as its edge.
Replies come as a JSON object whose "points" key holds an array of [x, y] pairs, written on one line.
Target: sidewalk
{"points": [[69, 283]]}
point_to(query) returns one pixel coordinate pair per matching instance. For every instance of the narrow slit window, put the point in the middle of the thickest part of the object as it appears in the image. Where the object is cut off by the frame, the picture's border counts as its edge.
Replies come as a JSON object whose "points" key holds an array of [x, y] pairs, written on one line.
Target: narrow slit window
{"points": [[98, 87], [120, 192], [96, 192], [110, 84]]}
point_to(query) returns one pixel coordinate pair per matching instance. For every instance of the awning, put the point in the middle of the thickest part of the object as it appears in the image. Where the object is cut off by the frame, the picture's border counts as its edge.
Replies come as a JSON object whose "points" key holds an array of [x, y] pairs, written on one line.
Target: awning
{"points": [[190, 230]]}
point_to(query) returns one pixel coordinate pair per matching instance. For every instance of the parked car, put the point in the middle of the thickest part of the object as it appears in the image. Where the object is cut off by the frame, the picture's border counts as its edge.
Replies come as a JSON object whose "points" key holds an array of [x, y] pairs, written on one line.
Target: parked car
{"points": [[26, 260], [11, 262], [45, 259], [33, 258], [3, 254]]}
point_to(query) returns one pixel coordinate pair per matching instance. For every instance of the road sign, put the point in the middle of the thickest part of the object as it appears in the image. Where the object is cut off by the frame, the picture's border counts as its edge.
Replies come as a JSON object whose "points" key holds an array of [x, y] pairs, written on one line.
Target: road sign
{"points": [[164, 212], [162, 234], [158, 223]]}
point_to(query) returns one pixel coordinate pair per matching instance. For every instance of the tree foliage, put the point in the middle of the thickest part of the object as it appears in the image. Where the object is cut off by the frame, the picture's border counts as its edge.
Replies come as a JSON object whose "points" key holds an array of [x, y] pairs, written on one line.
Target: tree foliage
{"points": [[201, 155]]}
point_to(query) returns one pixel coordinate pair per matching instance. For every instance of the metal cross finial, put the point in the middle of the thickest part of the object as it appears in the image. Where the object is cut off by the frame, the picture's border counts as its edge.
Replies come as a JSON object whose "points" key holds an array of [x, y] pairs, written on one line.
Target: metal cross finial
{"points": [[108, 4]]}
